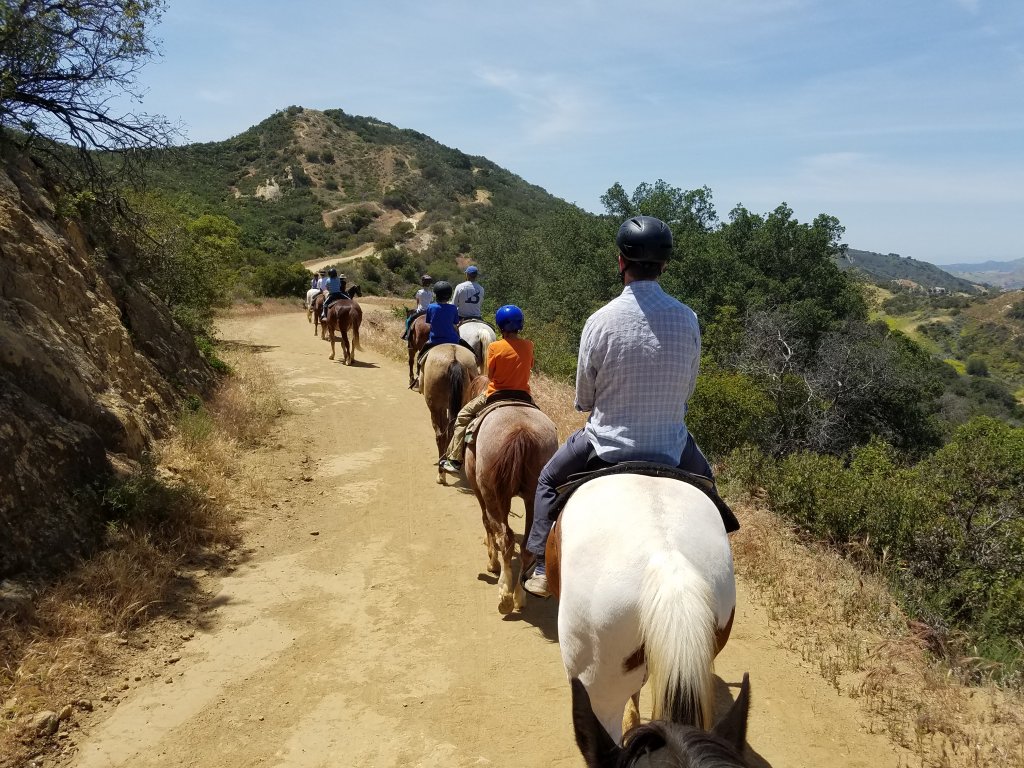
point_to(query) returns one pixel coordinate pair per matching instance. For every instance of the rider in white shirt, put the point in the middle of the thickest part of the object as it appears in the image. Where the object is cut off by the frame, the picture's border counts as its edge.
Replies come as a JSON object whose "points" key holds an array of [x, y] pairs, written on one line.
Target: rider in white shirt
{"points": [[469, 295], [424, 297]]}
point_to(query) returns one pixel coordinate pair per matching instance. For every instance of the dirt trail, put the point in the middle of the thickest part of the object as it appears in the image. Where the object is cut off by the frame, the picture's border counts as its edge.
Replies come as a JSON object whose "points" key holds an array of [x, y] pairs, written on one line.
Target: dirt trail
{"points": [[317, 264], [376, 641]]}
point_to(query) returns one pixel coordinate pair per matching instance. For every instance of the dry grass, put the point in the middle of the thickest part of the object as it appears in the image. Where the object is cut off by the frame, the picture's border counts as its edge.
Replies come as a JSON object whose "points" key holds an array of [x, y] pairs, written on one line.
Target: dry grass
{"points": [[171, 510], [845, 622]]}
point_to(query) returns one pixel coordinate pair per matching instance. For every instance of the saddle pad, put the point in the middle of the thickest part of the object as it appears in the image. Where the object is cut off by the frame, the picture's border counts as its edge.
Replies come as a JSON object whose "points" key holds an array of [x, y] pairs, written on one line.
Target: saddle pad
{"points": [[474, 425], [469, 320], [651, 470]]}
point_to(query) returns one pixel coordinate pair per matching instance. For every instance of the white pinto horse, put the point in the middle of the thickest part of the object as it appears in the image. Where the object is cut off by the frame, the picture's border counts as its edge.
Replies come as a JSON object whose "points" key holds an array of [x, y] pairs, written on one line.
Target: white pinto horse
{"points": [[479, 335], [643, 569], [311, 294]]}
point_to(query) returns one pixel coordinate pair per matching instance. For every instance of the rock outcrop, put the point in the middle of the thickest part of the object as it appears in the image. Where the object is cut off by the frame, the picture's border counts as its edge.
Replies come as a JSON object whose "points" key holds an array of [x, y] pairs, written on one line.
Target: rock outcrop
{"points": [[92, 367]]}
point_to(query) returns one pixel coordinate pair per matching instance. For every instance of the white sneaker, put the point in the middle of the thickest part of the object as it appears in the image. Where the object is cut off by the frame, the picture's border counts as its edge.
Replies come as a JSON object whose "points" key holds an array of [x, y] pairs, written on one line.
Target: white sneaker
{"points": [[537, 585]]}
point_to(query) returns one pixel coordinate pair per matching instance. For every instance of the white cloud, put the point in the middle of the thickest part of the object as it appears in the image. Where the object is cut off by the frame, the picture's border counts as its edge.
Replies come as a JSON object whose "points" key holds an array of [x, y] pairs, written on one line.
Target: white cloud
{"points": [[214, 97], [552, 107]]}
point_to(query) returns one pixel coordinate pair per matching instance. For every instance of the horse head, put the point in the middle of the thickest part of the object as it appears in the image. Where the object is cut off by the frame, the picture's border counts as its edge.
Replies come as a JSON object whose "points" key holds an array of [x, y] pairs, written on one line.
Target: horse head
{"points": [[661, 743]]}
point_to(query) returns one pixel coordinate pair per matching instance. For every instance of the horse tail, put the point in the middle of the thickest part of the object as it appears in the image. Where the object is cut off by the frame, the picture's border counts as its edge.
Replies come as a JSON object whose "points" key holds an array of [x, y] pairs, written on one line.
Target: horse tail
{"points": [[456, 384], [513, 462], [357, 319], [677, 623]]}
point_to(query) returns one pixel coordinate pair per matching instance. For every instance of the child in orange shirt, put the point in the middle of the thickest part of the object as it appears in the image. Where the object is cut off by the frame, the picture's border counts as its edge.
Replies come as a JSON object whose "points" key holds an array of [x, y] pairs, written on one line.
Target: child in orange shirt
{"points": [[509, 362]]}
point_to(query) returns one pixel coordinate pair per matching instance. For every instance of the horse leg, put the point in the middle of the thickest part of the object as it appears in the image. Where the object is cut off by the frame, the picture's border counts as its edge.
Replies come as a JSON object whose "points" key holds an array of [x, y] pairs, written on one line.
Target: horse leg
{"points": [[499, 507], [331, 326], [441, 435], [346, 348], [412, 355]]}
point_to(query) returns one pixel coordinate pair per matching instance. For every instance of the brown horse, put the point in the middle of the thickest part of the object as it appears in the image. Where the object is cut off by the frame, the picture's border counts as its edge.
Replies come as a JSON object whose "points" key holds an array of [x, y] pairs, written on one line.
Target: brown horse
{"points": [[418, 334], [444, 381], [512, 445], [342, 315], [316, 308]]}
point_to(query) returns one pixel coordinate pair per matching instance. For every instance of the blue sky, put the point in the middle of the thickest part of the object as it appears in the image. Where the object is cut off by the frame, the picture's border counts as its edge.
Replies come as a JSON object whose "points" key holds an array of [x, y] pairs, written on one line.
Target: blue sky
{"points": [[903, 119]]}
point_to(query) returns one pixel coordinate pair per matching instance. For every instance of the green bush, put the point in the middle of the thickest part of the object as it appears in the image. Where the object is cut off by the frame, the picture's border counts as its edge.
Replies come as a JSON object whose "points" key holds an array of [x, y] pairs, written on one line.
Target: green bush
{"points": [[727, 410], [279, 279], [948, 531], [976, 366]]}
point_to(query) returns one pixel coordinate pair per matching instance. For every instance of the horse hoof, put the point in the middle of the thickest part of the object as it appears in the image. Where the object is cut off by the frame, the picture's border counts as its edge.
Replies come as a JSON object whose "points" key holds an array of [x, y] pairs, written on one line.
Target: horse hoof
{"points": [[505, 605], [442, 480], [494, 569], [331, 357]]}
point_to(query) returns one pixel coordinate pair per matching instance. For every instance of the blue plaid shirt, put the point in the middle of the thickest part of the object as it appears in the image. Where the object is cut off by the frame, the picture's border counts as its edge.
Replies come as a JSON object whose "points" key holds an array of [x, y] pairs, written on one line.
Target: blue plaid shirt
{"points": [[638, 363]]}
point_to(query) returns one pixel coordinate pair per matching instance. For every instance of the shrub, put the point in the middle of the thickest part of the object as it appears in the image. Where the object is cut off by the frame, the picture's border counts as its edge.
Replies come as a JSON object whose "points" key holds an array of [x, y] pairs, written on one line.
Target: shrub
{"points": [[727, 410], [976, 366]]}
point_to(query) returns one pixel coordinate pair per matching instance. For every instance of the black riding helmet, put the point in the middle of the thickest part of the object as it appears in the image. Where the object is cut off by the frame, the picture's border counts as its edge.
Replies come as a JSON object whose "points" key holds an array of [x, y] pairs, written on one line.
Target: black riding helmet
{"points": [[645, 238], [443, 290], [332, 272]]}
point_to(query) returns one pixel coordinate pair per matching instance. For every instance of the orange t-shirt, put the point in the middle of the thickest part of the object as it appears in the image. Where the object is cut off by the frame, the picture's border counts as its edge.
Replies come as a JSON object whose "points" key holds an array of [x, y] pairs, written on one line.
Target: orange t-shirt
{"points": [[508, 365]]}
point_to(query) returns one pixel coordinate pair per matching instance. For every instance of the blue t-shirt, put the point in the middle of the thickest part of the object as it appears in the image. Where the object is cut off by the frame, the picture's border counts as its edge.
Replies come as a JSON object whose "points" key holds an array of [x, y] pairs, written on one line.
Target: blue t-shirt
{"points": [[442, 319], [333, 284]]}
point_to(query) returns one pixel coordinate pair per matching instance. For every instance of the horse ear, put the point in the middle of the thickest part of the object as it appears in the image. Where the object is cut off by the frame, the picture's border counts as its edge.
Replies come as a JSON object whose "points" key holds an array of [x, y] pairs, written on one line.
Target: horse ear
{"points": [[733, 727], [597, 746]]}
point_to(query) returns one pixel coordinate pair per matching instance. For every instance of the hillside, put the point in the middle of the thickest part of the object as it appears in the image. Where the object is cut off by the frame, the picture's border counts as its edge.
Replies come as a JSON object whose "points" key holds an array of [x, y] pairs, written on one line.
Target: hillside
{"points": [[92, 369], [885, 268], [1005, 274], [305, 185]]}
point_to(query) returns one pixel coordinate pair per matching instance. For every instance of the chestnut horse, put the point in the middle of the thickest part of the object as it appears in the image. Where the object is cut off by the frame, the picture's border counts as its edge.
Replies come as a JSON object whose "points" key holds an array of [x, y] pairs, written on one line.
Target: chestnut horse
{"points": [[419, 332], [643, 570], [342, 315], [444, 381], [511, 446]]}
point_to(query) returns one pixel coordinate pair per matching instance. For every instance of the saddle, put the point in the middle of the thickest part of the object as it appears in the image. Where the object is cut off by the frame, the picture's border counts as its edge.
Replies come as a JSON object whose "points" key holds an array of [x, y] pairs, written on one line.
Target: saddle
{"points": [[649, 469], [500, 399]]}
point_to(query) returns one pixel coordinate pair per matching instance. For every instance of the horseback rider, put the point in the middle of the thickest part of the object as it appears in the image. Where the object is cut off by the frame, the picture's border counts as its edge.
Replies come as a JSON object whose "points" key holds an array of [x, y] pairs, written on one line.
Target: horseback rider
{"points": [[313, 282], [334, 285], [424, 296], [638, 361], [443, 319], [509, 362], [469, 296]]}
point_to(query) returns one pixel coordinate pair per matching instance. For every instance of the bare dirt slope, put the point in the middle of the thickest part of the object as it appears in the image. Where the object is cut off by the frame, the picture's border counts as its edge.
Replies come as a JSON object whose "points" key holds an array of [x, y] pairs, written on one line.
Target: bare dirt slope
{"points": [[365, 631]]}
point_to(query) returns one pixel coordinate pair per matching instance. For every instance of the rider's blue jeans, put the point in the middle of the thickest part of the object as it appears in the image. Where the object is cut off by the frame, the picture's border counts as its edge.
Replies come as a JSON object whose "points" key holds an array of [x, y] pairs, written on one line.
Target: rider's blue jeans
{"points": [[571, 458]]}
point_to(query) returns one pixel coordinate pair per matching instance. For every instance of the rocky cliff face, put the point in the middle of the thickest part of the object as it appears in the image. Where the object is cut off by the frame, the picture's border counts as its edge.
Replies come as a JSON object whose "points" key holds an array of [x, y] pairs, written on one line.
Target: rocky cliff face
{"points": [[92, 367]]}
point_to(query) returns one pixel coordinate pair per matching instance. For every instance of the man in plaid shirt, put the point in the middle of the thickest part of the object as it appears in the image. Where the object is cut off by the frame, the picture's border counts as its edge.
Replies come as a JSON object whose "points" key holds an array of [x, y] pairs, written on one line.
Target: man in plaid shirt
{"points": [[638, 362]]}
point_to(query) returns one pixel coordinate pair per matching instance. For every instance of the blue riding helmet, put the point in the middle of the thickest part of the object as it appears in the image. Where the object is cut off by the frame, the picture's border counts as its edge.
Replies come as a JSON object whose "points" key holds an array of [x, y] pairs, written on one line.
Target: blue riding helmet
{"points": [[472, 271], [509, 318]]}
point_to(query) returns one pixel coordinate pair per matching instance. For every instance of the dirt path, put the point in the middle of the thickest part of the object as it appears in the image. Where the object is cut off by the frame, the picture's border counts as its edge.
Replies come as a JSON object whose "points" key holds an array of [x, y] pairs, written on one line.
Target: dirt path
{"points": [[365, 633], [316, 264]]}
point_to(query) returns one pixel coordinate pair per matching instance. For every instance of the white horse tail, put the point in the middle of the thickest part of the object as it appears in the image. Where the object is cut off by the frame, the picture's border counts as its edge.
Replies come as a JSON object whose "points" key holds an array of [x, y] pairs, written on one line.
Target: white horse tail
{"points": [[677, 623]]}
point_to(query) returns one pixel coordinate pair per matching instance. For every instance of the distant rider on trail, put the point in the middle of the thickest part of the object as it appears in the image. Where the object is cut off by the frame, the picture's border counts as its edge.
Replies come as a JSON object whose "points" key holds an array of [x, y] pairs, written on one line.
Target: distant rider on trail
{"points": [[443, 318], [469, 296], [335, 288], [424, 296]]}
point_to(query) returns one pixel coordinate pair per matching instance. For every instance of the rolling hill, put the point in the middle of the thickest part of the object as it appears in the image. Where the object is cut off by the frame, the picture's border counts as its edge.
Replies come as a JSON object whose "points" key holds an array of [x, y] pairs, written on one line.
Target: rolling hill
{"points": [[1007, 275], [885, 268], [306, 185]]}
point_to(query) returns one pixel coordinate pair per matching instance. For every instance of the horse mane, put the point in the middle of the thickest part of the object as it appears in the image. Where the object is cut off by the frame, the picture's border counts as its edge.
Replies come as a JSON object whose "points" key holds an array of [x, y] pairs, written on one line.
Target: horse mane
{"points": [[688, 746]]}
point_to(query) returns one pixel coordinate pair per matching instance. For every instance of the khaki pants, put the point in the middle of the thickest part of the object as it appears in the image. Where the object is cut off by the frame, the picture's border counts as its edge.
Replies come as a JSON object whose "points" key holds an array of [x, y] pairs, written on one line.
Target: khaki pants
{"points": [[457, 447]]}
